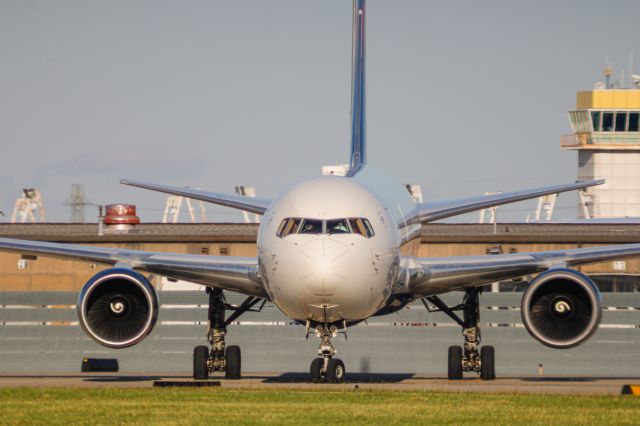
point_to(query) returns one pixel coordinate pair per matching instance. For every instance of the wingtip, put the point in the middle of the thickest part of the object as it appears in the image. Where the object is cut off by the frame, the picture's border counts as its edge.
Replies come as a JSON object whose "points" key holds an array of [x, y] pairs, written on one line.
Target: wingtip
{"points": [[124, 181], [592, 182]]}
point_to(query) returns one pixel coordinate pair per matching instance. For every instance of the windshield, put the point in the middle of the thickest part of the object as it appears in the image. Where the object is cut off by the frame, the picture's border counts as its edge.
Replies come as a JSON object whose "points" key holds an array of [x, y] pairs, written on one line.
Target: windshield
{"points": [[338, 226], [311, 226], [354, 225]]}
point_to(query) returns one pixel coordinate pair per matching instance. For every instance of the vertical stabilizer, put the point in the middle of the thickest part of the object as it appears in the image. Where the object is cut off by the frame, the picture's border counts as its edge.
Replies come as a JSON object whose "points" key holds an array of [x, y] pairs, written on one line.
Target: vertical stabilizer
{"points": [[358, 122]]}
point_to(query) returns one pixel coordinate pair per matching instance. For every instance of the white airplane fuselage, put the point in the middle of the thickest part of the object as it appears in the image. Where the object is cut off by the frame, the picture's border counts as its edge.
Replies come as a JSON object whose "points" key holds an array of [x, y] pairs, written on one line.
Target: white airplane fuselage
{"points": [[330, 277]]}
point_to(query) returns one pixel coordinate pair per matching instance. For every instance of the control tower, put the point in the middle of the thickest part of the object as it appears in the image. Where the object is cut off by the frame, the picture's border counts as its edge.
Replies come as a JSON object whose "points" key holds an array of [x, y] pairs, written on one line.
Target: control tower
{"points": [[606, 135]]}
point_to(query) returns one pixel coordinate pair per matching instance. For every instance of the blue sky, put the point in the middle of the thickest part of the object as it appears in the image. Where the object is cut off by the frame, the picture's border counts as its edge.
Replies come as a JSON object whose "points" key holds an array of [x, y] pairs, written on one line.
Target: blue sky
{"points": [[463, 96]]}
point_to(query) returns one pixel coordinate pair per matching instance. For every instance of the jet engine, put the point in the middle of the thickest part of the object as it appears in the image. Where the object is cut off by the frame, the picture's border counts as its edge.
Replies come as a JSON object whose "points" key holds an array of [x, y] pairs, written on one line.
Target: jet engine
{"points": [[561, 308], [118, 307]]}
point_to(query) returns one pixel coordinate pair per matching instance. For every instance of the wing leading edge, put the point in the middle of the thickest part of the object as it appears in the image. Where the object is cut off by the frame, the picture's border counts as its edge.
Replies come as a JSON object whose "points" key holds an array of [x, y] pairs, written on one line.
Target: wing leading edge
{"points": [[239, 274], [241, 202], [432, 211], [429, 276]]}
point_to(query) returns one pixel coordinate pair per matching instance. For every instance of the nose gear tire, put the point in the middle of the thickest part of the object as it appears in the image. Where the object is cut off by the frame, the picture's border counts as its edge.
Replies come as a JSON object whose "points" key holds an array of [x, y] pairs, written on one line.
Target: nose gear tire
{"points": [[316, 370], [335, 371]]}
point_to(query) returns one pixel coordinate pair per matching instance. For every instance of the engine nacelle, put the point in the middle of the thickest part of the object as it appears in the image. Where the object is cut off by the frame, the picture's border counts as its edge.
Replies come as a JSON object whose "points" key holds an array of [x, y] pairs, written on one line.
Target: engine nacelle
{"points": [[118, 307], [561, 308]]}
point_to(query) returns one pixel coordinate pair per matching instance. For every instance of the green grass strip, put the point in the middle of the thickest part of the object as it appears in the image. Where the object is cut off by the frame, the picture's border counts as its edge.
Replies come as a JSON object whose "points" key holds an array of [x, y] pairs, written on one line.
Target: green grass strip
{"points": [[220, 406]]}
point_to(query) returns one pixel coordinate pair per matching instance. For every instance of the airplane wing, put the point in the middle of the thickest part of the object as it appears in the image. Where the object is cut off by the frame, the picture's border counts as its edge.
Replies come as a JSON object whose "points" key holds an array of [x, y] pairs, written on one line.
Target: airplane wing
{"points": [[241, 202], [432, 211], [435, 275], [239, 274]]}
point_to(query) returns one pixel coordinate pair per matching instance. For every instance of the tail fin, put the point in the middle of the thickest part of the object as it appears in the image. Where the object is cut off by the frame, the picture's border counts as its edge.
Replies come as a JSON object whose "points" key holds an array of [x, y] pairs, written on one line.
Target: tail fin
{"points": [[358, 122]]}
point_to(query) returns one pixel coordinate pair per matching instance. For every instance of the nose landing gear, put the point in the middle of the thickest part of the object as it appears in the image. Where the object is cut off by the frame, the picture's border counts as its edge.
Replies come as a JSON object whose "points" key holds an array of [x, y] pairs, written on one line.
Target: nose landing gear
{"points": [[468, 359], [327, 368], [221, 357]]}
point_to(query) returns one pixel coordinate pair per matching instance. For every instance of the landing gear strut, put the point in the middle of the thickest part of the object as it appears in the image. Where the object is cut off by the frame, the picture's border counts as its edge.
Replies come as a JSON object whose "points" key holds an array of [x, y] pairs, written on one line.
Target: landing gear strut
{"points": [[469, 358], [327, 368], [221, 357]]}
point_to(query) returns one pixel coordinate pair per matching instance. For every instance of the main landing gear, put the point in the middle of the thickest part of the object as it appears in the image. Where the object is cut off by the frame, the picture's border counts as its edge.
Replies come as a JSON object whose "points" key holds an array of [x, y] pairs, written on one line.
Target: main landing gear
{"points": [[326, 368], [469, 358], [221, 358]]}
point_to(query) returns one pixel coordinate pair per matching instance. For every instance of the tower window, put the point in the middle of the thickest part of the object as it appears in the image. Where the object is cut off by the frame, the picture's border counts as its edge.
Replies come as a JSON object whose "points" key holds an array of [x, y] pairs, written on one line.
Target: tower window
{"points": [[633, 121], [621, 121], [595, 118], [607, 122]]}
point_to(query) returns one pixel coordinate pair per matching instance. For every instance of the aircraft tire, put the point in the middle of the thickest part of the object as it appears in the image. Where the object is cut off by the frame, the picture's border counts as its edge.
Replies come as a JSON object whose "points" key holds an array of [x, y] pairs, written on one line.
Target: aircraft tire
{"points": [[335, 371], [233, 356], [200, 370], [488, 367], [455, 363], [316, 370]]}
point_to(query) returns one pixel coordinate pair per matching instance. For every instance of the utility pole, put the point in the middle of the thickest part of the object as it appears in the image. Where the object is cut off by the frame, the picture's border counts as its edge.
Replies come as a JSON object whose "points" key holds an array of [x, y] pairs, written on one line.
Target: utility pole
{"points": [[77, 202]]}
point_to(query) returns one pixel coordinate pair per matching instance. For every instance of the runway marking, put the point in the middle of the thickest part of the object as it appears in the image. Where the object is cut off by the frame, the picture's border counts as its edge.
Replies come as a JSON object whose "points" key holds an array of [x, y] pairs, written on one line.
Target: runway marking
{"points": [[38, 307], [22, 338], [619, 326], [184, 307]]}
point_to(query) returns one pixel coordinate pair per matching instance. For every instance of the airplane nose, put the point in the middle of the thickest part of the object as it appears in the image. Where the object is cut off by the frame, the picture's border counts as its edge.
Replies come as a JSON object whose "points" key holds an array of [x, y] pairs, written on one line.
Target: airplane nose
{"points": [[327, 266]]}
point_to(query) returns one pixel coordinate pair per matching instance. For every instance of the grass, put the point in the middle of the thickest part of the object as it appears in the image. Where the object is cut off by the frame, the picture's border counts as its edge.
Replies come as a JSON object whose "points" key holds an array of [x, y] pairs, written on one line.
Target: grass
{"points": [[287, 406]]}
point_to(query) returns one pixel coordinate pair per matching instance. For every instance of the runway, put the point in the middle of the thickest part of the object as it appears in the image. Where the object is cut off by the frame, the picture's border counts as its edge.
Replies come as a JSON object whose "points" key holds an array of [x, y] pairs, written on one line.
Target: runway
{"points": [[383, 382]]}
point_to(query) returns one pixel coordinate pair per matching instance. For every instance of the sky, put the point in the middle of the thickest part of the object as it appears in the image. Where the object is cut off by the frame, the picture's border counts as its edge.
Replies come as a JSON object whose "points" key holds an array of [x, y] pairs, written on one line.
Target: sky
{"points": [[463, 97]]}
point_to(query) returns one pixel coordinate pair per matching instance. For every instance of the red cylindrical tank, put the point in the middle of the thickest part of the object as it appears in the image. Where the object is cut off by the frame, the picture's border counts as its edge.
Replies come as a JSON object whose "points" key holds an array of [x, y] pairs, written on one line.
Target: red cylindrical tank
{"points": [[121, 214]]}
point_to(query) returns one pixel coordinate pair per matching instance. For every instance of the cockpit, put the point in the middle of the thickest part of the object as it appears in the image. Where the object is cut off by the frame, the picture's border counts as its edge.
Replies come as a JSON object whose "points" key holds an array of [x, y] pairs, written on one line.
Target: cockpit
{"points": [[352, 225]]}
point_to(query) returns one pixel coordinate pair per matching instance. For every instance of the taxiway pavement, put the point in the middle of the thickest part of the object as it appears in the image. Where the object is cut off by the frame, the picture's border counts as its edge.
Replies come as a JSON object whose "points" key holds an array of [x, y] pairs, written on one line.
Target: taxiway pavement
{"points": [[387, 382]]}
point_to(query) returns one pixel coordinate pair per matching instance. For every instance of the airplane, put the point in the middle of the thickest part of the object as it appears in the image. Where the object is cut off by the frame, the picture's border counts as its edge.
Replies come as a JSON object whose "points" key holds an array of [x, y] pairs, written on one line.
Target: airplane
{"points": [[333, 251]]}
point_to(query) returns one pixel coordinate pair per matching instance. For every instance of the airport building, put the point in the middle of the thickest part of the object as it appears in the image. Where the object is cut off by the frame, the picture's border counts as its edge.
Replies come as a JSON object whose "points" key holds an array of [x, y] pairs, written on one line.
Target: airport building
{"points": [[24, 273], [606, 134]]}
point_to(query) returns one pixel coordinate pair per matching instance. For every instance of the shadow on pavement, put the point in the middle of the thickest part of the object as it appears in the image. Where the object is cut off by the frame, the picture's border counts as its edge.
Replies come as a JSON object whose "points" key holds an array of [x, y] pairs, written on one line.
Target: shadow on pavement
{"points": [[123, 379], [350, 378]]}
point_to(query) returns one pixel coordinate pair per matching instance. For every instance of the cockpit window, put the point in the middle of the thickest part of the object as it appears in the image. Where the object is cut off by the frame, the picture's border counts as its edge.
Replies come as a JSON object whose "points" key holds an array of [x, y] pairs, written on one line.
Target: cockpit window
{"points": [[367, 224], [311, 226], [281, 227], [358, 227], [295, 225], [288, 226], [361, 226], [338, 226]]}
